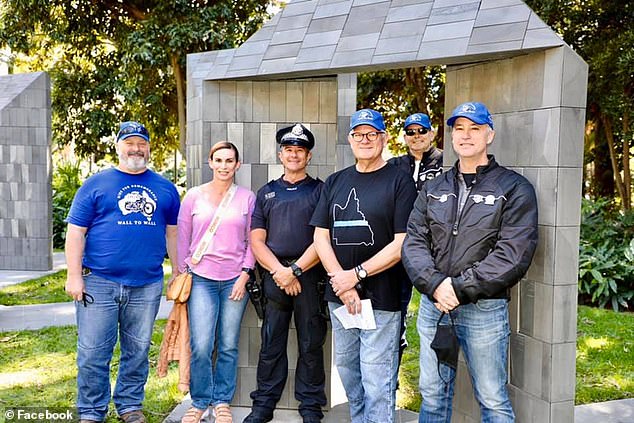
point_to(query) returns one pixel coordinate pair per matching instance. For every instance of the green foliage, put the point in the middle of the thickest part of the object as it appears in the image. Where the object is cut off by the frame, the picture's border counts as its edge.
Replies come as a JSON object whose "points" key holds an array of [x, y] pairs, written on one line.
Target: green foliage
{"points": [[606, 255], [66, 181], [112, 61]]}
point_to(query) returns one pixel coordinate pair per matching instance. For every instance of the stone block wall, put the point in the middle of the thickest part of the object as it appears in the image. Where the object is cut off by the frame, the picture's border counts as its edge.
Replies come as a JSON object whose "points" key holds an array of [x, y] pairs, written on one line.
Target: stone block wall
{"points": [[25, 172], [538, 105]]}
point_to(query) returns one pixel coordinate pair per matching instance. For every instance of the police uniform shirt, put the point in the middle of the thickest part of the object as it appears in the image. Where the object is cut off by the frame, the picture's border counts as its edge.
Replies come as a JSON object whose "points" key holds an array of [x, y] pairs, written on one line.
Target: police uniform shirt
{"points": [[284, 210]]}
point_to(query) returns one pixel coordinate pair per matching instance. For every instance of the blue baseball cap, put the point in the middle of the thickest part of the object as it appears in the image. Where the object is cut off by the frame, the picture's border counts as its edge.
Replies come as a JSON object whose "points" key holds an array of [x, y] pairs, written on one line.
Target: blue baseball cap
{"points": [[132, 129], [474, 111], [367, 117], [419, 119]]}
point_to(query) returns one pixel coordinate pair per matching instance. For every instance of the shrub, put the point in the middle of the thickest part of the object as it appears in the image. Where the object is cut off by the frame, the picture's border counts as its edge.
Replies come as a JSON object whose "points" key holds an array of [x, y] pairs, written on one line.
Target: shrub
{"points": [[66, 181], [606, 255]]}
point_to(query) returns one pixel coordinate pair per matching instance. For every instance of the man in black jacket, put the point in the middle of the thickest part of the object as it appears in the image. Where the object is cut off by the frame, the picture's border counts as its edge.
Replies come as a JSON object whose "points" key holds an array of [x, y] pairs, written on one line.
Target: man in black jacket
{"points": [[470, 238]]}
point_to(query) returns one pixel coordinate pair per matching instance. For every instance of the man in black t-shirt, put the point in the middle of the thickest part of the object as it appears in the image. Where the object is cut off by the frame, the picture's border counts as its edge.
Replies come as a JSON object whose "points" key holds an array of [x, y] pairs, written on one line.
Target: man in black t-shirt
{"points": [[282, 242], [360, 223]]}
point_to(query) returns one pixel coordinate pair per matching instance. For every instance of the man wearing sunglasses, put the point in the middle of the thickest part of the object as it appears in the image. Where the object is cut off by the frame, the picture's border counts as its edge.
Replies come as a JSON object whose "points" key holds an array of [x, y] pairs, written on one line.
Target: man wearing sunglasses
{"points": [[423, 162], [120, 225], [470, 238], [360, 224]]}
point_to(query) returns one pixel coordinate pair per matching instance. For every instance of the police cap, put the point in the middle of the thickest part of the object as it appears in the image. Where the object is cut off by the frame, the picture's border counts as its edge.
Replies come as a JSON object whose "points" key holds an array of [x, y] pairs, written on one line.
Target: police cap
{"points": [[297, 134]]}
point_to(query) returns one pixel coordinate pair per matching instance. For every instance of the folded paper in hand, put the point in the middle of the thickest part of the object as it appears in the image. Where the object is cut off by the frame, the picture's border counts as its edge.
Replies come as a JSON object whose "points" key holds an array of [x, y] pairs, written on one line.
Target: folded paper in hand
{"points": [[363, 320]]}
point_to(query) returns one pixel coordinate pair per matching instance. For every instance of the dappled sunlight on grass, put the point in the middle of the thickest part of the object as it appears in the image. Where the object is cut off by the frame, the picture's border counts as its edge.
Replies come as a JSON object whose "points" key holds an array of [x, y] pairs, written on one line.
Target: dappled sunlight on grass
{"points": [[595, 343]]}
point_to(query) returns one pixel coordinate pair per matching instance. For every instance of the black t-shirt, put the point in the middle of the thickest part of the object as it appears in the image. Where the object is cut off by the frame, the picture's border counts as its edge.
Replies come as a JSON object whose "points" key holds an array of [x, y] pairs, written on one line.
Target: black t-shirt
{"points": [[363, 212], [284, 210]]}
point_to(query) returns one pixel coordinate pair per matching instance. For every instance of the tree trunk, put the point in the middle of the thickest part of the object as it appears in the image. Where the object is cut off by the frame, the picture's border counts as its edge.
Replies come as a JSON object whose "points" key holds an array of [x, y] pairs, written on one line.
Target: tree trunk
{"points": [[179, 77], [627, 177], [609, 135]]}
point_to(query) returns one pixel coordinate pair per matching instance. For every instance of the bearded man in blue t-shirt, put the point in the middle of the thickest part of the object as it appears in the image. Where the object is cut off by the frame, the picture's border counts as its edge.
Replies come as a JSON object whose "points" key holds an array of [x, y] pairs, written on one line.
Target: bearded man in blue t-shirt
{"points": [[120, 225]]}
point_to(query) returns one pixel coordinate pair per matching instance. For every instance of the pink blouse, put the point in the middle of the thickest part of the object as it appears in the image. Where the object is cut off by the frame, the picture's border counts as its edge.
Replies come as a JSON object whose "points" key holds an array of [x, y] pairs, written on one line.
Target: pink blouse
{"points": [[229, 250]]}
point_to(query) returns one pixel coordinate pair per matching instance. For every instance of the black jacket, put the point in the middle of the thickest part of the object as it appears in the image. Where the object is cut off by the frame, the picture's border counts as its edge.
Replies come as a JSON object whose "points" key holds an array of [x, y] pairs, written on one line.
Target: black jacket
{"points": [[485, 246], [430, 167]]}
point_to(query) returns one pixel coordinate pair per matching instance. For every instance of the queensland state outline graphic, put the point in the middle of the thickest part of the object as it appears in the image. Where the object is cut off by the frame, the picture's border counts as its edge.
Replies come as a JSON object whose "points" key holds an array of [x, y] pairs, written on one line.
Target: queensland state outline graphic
{"points": [[350, 226]]}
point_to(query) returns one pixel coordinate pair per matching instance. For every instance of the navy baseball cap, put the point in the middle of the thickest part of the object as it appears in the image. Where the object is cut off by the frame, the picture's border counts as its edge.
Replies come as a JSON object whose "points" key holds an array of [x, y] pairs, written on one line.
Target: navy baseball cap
{"points": [[297, 134], [474, 111], [132, 129], [367, 117], [419, 119]]}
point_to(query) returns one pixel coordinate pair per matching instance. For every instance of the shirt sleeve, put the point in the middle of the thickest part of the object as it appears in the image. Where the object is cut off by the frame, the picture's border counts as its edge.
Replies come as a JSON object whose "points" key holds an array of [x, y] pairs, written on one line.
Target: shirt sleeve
{"points": [[249, 258], [171, 217], [258, 219], [82, 211]]}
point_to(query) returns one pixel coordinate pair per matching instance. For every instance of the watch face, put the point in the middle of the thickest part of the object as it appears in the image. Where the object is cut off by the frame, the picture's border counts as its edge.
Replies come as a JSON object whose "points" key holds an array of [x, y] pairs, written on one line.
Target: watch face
{"points": [[363, 273], [297, 271]]}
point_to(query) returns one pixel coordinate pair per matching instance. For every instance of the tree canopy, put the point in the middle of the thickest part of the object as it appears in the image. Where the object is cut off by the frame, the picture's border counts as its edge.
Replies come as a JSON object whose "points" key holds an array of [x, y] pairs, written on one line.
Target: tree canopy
{"points": [[112, 61]]}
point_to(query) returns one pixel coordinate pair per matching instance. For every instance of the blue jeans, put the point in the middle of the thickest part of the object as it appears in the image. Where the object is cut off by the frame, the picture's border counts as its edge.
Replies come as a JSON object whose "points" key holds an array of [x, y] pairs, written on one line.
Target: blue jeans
{"points": [[367, 362], [483, 333], [212, 314], [126, 312]]}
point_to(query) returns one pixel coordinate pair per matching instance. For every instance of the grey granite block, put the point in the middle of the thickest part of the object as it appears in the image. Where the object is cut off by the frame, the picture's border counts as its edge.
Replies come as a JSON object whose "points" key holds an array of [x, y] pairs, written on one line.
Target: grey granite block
{"points": [[529, 408], [498, 33], [374, 12], [444, 32], [348, 58], [300, 8], [502, 15], [542, 268], [235, 134], [566, 254], [244, 96], [282, 50], [398, 45], [290, 36], [453, 13], [564, 329], [562, 378], [575, 79], [571, 136], [261, 101], [276, 65], [263, 34], [319, 39], [311, 66], [295, 21], [211, 101], [534, 22], [277, 101], [316, 54], [259, 176], [294, 101], [360, 28], [243, 62], [310, 102], [328, 101], [490, 4], [333, 9], [268, 147], [443, 48], [408, 13], [333, 23], [358, 43], [227, 101], [399, 29], [252, 146], [252, 48], [568, 195], [540, 38], [495, 47], [389, 58]]}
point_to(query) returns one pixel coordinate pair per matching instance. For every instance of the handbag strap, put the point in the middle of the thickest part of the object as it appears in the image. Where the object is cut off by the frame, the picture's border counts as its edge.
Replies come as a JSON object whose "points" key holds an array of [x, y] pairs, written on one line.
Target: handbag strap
{"points": [[441, 316], [201, 249]]}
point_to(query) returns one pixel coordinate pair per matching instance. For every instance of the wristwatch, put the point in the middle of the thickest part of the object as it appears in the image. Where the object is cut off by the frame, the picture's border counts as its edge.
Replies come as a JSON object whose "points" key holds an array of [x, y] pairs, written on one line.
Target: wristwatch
{"points": [[246, 270], [361, 272], [297, 271]]}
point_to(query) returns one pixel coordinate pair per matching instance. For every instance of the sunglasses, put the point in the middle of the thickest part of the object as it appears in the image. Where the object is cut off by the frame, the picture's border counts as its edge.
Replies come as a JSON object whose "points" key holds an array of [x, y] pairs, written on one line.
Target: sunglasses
{"points": [[412, 132]]}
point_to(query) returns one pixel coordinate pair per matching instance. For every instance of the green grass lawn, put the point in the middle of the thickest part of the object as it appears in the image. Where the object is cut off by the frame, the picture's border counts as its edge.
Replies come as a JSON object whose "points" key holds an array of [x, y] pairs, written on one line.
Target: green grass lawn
{"points": [[49, 289], [37, 368]]}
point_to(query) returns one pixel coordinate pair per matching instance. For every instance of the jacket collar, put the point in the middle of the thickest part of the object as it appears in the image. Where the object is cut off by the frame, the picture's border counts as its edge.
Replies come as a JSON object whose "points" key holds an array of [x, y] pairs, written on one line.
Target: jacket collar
{"points": [[480, 170]]}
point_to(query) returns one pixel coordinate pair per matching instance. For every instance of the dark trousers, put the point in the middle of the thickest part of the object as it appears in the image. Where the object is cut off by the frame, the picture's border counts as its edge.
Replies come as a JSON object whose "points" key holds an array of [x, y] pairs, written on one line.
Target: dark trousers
{"points": [[311, 328]]}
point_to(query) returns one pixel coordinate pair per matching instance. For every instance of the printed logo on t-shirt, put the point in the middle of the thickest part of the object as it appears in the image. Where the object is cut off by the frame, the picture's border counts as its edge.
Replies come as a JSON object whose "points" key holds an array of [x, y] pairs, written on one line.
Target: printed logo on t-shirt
{"points": [[138, 204], [350, 226]]}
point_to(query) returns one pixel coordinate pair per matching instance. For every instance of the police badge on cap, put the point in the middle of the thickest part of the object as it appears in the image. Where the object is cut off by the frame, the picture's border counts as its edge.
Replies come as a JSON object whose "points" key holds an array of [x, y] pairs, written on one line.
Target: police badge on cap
{"points": [[297, 134]]}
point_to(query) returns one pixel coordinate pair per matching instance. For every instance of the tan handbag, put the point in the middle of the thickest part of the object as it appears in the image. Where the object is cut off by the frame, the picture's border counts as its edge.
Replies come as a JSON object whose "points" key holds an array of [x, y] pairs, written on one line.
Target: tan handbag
{"points": [[178, 291]]}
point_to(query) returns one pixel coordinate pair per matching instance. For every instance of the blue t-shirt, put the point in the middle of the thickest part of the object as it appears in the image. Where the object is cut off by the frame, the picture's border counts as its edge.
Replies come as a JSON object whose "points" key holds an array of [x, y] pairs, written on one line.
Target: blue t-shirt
{"points": [[126, 217]]}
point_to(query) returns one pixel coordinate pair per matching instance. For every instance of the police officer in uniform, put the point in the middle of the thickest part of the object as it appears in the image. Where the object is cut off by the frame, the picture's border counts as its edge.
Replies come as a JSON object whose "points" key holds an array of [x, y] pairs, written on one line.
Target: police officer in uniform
{"points": [[282, 242]]}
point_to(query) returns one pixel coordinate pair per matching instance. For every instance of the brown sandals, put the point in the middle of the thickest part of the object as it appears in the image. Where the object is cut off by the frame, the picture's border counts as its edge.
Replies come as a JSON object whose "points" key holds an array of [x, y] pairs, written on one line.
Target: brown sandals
{"points": [[222, 413], [194, 415]]}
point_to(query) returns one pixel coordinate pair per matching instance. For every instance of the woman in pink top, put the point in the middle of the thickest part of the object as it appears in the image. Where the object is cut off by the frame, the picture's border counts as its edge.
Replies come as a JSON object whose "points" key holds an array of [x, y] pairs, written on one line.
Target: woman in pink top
{"points": [[218, 297]]}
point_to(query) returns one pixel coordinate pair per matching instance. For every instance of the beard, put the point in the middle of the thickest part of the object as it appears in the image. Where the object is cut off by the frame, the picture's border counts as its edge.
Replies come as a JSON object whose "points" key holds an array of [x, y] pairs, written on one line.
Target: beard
{"points": [[135, 163]]}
